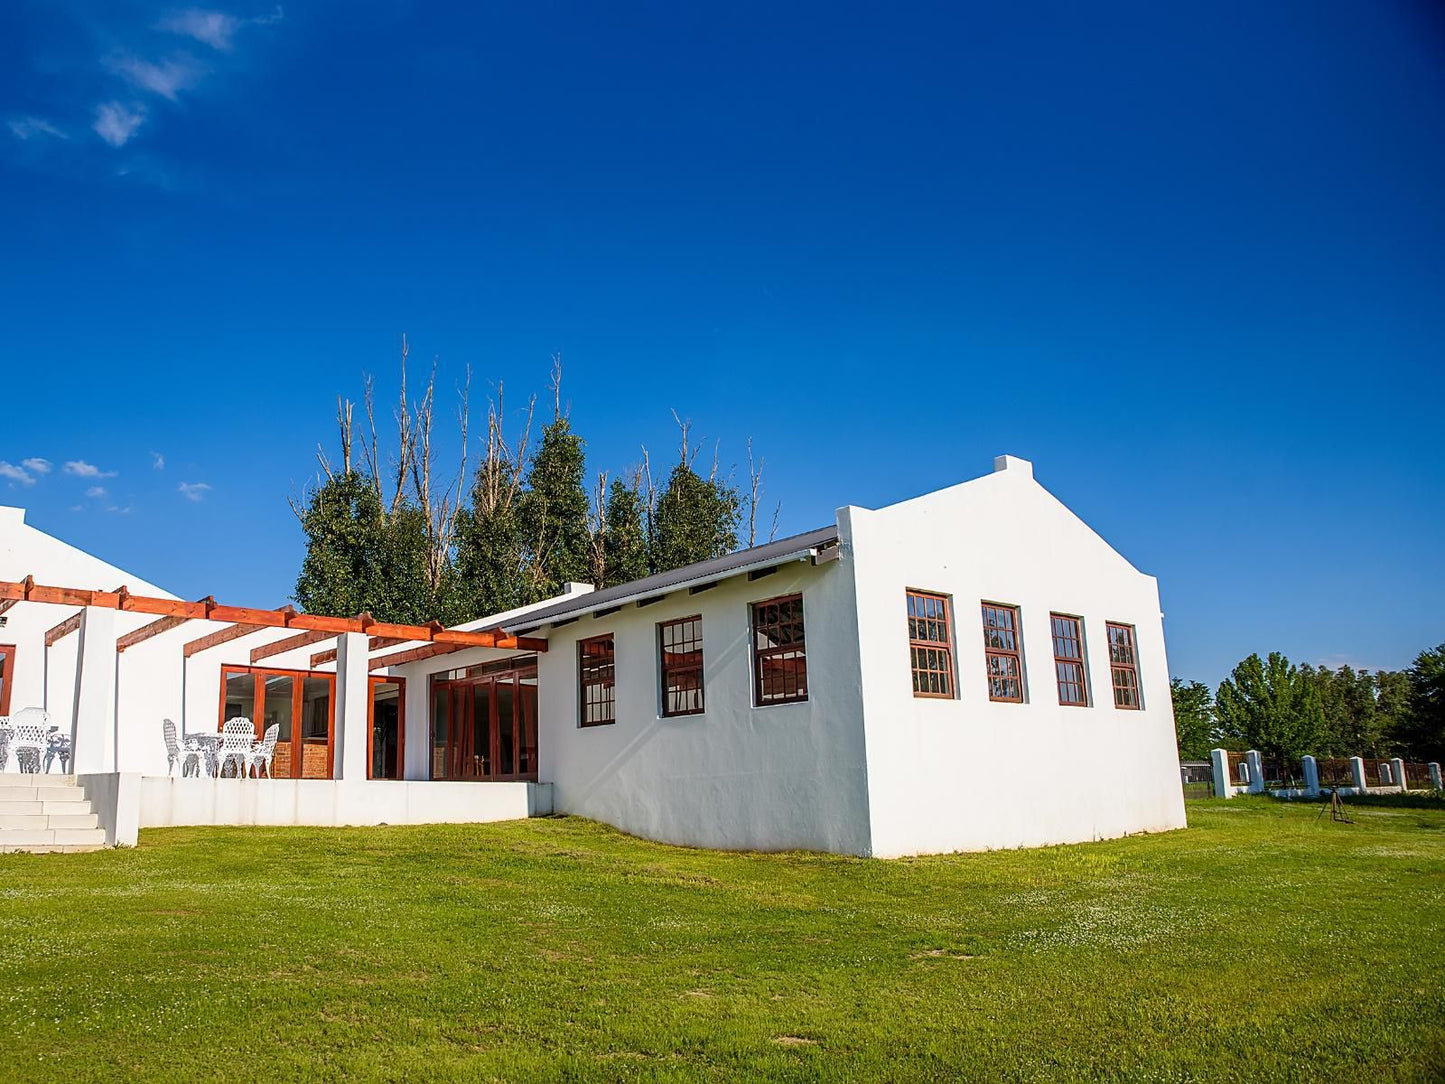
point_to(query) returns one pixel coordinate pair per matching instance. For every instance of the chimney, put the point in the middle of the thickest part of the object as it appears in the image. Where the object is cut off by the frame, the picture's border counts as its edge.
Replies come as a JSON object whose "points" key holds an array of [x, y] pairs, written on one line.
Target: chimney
{"points": [[1013, 463]]}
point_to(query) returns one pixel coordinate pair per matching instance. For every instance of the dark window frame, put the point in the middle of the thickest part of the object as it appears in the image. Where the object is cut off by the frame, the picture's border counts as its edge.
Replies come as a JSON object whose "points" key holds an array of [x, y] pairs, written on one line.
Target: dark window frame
{"points": [[1124, 666], [692, 669], [994, 651], [1074, 635], [930, 648], [600, 672], [793, 654]]}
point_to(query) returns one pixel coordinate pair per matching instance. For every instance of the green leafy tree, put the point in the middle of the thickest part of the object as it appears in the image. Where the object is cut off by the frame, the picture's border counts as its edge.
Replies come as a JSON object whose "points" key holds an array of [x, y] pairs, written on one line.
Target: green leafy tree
{"points": [[624, 540], [696, 520], [489, 565], [1194, 722], [360, 557], [1395, 710], [1423, 730], [552, 513], [1271, 706]]}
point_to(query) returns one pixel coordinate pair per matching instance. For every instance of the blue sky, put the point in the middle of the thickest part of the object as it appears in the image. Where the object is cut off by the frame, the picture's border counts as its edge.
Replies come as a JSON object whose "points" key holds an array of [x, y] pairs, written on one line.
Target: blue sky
{"points": [[1187, 258]]}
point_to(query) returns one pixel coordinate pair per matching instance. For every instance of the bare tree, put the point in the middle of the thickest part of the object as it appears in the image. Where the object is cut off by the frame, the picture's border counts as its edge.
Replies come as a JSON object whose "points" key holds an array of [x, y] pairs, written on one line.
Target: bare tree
{"points": [[597, 528]]}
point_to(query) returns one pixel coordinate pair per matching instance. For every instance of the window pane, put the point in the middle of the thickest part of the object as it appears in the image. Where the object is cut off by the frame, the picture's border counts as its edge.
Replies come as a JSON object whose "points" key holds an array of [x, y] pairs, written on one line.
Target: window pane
{"points": [[240, 697], [385, 730], [316, 728]]}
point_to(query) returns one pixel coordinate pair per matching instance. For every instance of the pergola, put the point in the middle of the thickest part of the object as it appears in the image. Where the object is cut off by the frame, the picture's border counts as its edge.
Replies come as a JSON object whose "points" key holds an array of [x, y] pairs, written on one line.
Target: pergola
{"points": [[354, 638], [434, 638]]}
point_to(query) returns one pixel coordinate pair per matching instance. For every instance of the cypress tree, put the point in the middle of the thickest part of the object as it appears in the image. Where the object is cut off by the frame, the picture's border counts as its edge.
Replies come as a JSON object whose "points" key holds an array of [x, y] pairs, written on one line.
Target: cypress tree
{"points": [[624, 542], [553, 512], [697, 519]]}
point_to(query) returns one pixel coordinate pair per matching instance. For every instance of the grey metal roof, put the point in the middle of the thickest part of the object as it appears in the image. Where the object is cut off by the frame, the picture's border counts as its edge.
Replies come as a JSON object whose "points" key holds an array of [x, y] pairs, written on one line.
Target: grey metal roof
{"points": [[776, 552]]}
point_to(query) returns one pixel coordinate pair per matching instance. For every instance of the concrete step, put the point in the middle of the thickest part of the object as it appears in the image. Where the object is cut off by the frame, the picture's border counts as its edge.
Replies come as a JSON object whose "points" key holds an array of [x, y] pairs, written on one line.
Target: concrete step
{"points": [[51, 848], [41, 793], [22, 809], [66, 808], [33, 837], [12, 778], [70, 815]]}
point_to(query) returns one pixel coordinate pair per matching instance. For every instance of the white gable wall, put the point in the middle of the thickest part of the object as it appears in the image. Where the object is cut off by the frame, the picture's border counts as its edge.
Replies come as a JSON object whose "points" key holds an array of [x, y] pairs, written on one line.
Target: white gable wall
{"points": [[971, 774], [736, 777]]}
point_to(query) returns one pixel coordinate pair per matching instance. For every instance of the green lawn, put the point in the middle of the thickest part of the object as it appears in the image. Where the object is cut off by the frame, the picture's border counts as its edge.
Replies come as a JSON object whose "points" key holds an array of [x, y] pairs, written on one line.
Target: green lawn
{"points": [[1260, 943]]}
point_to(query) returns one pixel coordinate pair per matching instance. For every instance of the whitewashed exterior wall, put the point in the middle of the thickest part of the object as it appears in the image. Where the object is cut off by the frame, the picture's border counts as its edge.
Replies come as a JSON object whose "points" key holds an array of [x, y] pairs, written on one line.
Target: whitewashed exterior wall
{"points": [[737, 776], [972, 774]]}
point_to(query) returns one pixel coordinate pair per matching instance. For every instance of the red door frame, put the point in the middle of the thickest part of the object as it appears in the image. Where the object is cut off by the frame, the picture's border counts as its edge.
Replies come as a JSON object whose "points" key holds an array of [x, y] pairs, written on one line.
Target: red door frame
{"points": [[372, 683], [7, 676]]}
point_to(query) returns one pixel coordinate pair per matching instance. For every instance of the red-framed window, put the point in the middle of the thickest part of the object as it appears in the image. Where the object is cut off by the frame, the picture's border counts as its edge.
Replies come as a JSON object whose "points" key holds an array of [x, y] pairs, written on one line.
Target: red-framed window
{"points": [[1123, 665], [596, 681], [679, 646], [780, 653], [7, 676], [1068, 634], [930, 644], [1003, 653]]}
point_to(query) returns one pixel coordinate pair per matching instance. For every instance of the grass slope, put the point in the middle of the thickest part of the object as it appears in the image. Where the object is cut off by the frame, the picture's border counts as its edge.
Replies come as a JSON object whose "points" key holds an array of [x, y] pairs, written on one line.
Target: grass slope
{"points": [[1260, 943]]}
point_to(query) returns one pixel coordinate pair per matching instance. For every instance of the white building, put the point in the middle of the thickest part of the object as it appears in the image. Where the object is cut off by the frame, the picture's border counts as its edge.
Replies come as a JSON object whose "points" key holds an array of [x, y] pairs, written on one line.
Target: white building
{"points": [[970, 669]]}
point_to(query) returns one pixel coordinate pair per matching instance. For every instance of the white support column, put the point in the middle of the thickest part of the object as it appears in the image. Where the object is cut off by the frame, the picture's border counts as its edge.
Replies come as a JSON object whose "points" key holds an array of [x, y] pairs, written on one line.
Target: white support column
{"points": [[1435, 775], [1223, 785], [1357, 773], [1397, 772], [1256, 771], [92, 726], [352, 704], [1311, 774]]}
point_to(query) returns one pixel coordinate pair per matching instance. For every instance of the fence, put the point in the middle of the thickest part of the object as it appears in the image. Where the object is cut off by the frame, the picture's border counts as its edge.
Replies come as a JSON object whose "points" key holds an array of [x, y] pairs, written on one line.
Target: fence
{"points": [[1304, 777], [1197, 778], [1335, 773]]}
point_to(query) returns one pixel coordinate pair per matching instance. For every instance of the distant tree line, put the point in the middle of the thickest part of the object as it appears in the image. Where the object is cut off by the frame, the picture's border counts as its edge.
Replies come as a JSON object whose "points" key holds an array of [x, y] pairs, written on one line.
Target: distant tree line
{"points": [[388, 533], [1286, 710]]}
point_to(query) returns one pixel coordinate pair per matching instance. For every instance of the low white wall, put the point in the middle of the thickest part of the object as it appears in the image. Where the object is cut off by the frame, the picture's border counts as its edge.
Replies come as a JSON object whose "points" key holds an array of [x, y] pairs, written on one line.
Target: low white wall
{"points": [[170, 802], [115, 799]]}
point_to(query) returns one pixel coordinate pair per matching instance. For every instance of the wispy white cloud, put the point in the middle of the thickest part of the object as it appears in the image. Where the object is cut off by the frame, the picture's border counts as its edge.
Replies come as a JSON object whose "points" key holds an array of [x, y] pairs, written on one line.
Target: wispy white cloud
{"points": [[37, 465], [166, 77], [116, 123], [81, 469], [193, 491], [95, 491], [158, 461], [214, 28], [34, 128], [16, 475]]}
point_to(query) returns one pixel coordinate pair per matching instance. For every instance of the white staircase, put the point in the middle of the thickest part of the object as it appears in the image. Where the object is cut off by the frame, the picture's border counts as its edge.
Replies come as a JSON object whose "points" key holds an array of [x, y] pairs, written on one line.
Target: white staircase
{"points": [[46, 813]]}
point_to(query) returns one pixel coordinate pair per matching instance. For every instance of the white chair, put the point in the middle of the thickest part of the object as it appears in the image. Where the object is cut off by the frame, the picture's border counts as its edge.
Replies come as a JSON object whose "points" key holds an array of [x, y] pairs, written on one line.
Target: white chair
{"points": [[5, 733], [57, 747], [182, 756], [262, 752], [238, 735], [29, 743]]}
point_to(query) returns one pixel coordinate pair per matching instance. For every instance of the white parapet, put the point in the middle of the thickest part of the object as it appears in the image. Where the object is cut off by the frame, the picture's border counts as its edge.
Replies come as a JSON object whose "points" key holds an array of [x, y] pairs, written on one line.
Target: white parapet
{"points": [[1223, 785], [169, 802], [1311, 774]]}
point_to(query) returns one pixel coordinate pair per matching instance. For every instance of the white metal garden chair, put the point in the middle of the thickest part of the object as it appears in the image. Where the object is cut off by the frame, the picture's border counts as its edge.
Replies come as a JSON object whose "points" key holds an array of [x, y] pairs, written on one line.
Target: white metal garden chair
{"points": [[5, 733], [57, 747], [262, 752], [29, 743], [182, 754], [238, 735]]}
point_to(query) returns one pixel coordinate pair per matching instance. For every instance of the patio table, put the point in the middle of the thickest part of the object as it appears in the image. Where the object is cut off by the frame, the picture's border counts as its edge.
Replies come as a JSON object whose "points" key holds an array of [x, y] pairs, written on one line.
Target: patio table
{"points": [[209, 743]]}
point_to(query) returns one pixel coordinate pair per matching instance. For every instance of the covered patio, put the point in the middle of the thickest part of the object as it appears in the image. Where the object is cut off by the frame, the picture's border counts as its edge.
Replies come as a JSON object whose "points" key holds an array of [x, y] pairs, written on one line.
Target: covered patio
{"points": [[327, 699]]}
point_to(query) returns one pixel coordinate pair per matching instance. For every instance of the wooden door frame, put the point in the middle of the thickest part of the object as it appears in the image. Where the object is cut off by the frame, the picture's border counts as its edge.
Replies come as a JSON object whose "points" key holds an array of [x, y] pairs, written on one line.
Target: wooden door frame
{"points": [[7, 675], [459, 690], [297, 700], [371, 684]]}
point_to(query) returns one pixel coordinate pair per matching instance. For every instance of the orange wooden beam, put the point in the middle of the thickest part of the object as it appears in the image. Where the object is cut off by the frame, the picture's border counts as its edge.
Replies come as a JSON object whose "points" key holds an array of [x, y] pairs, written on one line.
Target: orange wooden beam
{"points": [[11, 593], [65, 628], [221, 636], [291, 643], [321, 658], [162, 624], [425, 651], [145, 632]]}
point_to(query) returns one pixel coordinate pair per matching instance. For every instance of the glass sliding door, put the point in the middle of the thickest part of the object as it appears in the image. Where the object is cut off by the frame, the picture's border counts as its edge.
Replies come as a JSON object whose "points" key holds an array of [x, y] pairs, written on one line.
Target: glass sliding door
{"points": [[388, 733], [484, 722], [298, 704]]}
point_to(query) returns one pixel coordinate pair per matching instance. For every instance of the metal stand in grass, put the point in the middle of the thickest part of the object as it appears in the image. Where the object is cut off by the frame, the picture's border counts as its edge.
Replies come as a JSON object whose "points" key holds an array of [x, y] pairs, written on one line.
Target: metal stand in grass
{"points": [[1336, 808]]}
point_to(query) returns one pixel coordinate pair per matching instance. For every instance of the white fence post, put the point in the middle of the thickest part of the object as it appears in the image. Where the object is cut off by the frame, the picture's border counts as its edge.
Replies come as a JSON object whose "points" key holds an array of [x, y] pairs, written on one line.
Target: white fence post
{"points": [[1397, 769], [1311, 774], [1357, 773], [1435, 775], [1223, 785], [1256, 771]]}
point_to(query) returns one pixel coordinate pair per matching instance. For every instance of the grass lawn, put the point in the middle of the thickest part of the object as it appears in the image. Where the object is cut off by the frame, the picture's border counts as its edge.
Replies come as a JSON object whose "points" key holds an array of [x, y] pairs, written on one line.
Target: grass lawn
{"points": [[1260, 943]]}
